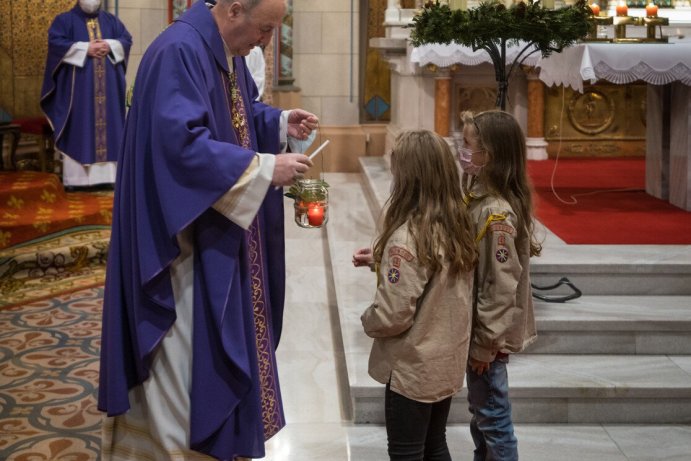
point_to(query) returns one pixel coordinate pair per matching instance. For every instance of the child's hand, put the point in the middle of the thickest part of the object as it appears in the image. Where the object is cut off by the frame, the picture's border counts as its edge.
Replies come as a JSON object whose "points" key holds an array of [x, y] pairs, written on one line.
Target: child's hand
{"points": [[363, 257], [477, 366]]}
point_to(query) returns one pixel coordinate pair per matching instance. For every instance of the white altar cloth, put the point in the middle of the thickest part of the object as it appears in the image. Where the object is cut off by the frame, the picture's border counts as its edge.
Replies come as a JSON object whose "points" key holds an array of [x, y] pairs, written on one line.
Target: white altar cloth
{"points": [[620, 63], [442, 55]]}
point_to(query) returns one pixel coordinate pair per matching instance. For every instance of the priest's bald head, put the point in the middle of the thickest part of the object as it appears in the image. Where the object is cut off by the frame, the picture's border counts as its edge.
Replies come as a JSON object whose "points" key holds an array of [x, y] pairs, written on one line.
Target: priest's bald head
{"points": [[244, 24]]}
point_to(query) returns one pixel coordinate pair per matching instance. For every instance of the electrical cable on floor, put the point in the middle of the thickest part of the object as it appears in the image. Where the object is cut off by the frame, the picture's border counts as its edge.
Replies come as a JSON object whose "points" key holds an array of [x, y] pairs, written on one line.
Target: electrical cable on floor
{"points": [[563, 280]]}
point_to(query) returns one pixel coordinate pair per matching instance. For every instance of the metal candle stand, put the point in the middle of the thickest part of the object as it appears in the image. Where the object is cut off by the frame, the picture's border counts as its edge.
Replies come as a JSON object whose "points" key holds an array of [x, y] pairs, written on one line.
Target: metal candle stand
{"points": [[621, 22]]}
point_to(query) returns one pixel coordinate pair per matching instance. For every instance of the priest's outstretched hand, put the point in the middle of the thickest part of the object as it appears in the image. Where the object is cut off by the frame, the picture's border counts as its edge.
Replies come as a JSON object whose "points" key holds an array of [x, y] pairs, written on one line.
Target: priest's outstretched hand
{"points": [[301, 123]]}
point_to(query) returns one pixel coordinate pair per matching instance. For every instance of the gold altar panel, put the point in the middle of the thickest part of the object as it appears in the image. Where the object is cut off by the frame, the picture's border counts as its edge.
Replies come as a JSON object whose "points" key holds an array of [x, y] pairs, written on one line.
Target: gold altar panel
{"points": [[6, 91], [6, 87], [23, 46], [606, 120]]}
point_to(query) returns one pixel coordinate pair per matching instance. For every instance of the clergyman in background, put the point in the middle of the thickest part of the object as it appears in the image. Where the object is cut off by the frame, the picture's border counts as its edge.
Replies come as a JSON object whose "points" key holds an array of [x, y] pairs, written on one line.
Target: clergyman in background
{"points": [[83, 94]]}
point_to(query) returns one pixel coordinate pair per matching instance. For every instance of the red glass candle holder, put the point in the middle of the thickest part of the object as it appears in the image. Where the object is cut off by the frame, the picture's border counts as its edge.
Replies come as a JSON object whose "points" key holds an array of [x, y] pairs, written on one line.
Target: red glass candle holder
{"points": [[311, 202]]}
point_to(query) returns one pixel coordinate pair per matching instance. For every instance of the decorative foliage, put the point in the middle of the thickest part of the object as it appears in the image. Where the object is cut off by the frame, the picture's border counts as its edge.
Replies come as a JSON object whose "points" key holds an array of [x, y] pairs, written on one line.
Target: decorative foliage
{"points": [[491, 26], [300, 193], [550, 30]]}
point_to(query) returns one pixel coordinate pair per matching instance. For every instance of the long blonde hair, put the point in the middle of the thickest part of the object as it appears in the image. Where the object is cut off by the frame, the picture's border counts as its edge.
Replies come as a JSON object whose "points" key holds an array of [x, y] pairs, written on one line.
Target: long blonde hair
{"points": [[505, 173], [426, 193]]}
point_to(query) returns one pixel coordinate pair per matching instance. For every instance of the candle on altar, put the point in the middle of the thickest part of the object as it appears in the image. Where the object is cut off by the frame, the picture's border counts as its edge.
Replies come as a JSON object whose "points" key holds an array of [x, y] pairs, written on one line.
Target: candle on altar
{"points": [[315, 214], [622, 9], [595, 8], [651, 10]]}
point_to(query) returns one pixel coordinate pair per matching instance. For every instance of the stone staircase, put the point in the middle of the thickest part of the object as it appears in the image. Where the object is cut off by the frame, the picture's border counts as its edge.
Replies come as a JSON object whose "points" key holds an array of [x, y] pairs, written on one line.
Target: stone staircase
{"points": [[619, 354]]}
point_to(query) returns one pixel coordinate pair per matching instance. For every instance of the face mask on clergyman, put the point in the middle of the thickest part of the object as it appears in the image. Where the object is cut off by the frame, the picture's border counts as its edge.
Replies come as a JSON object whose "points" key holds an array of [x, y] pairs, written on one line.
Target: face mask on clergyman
{"points": [[299, 146], [89, 6]]}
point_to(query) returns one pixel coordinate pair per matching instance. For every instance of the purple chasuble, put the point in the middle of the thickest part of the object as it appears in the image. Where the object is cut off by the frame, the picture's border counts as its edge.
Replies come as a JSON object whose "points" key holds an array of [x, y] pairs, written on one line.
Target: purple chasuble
{"points": [[85, 106], [272, 415], [180, 154]]}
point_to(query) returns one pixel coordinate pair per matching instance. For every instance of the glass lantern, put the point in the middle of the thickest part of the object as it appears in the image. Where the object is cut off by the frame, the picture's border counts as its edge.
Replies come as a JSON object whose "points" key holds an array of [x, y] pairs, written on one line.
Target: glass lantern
{"points": [[311, 202]]}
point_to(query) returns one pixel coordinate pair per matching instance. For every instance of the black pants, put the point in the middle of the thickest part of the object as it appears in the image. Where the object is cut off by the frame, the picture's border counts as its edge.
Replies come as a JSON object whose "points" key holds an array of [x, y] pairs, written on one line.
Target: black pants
{"points": [[416, 431]]}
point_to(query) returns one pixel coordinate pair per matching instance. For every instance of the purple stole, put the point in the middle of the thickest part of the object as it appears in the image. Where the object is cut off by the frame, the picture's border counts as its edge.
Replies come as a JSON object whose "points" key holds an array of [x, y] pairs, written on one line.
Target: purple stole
{"points": [[272, 414], [99, 95]]}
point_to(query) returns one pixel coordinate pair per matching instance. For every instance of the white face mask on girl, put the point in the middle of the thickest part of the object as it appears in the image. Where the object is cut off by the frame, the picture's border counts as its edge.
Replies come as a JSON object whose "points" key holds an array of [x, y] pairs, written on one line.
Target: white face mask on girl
{"points": [[89, 6]]}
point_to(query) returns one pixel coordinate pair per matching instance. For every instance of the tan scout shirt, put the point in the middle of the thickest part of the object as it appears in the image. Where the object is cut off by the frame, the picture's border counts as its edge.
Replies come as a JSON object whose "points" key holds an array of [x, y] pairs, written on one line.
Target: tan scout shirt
{"points": [[503, 318], [421, 325]]}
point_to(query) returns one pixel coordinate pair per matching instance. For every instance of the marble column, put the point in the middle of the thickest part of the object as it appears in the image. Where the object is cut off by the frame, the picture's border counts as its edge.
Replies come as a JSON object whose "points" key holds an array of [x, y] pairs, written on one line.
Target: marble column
{"points": [[657, 137], [680, 146], [535, 140], [668, 143], [393, 12], [442, 104]]}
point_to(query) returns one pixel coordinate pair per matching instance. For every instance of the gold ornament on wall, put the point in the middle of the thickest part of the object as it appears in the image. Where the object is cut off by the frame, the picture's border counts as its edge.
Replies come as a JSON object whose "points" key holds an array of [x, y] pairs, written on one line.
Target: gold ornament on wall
{"points": [[23, 48], [605, 120], [591, 112]]}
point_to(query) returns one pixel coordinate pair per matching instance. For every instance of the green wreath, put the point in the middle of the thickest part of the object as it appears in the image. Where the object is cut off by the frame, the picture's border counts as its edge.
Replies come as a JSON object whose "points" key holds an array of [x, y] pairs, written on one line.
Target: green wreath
{"points": [[492, 26]]}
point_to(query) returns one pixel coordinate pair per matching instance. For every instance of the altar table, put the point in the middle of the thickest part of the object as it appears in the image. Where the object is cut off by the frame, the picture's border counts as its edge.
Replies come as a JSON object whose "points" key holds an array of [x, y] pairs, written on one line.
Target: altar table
{"points": [[666, 68]]}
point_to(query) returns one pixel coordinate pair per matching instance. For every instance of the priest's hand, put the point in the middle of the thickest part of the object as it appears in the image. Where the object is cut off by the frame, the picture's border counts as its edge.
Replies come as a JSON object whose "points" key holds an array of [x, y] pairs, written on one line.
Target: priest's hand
{"points": [[289, 168], [301, 123]]}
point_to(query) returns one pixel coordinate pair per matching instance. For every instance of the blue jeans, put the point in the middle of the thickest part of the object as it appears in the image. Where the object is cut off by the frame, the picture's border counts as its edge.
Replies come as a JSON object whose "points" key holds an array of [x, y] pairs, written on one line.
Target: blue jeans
{"points": [[416, 431], [490, 425]]}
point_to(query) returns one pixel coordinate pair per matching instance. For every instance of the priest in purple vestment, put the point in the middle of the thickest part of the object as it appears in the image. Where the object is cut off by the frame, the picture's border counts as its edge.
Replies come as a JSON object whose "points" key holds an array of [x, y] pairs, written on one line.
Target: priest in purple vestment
{"points": [[83, 94], [195, 283]]}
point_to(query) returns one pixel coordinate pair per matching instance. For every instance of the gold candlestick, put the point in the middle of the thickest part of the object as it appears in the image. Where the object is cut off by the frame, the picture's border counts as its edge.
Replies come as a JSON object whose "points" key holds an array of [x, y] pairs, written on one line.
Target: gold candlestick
{"points": [[651, 23], [620, 23], [593, 23]]}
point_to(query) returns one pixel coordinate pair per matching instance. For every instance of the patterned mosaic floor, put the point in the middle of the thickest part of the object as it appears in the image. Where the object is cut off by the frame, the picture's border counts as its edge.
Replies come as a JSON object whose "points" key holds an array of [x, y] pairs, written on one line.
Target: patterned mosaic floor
{"points": [[49, 353]]}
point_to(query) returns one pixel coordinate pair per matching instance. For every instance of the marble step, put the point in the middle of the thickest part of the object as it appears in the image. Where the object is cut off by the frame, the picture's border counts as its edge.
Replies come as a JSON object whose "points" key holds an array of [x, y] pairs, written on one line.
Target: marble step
{"points": [[594, 325], [625, 270], [614, 325], [594, 269], [561, 389]]}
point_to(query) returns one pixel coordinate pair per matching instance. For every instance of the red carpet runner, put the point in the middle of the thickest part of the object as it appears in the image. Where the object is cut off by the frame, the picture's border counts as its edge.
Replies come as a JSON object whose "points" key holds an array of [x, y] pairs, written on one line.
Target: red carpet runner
{"points": [[607, 214], [34, 204]]}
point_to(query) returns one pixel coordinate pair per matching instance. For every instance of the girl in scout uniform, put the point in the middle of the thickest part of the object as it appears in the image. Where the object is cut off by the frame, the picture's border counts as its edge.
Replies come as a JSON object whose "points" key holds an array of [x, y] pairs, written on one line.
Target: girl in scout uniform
{"points": [[421, 315], [497, 191]]}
